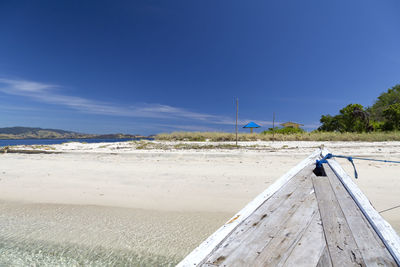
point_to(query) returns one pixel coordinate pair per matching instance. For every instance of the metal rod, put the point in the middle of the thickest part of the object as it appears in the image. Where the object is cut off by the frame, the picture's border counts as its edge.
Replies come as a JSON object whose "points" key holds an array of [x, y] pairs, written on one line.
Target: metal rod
{"points": [[392, 208], [273, 128], [237, 115]]}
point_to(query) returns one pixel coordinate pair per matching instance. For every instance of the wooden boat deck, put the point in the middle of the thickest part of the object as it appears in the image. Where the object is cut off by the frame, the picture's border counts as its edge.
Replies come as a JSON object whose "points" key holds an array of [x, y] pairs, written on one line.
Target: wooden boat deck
{"points": [[308, 221]]}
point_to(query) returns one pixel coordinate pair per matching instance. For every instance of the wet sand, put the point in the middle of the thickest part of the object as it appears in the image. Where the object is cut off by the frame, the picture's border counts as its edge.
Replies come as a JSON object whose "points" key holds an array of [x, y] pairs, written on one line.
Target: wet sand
{"points": [[104, 206]]}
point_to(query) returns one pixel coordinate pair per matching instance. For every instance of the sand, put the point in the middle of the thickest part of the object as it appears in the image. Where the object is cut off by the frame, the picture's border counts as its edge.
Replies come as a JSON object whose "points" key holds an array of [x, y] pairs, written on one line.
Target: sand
{"points": [[118, 204]]}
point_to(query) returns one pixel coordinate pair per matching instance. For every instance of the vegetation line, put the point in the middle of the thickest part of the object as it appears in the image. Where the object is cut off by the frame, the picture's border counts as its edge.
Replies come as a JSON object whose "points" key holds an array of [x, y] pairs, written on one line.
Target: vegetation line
{"points": [[383, 115], [267, 136]]}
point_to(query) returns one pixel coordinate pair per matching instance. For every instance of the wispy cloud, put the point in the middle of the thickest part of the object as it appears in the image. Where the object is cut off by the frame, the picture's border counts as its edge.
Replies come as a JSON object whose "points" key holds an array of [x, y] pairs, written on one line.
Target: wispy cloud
{"points": [[49, 93], [25, 86], [53, 94]]}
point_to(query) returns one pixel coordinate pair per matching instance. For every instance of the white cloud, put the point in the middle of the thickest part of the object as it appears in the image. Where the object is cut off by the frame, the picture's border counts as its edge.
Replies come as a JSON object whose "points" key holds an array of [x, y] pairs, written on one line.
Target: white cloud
{"points": [[15, 86], [49, 93]]}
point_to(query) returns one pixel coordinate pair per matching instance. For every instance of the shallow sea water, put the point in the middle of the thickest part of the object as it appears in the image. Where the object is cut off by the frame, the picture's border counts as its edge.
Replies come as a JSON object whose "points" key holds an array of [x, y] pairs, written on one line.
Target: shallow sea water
{"points": [[71, 235], [16, 142]]}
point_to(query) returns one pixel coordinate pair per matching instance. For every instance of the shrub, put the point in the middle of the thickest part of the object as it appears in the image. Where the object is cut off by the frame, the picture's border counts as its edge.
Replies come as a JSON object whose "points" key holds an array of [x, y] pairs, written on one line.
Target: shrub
{"points": [[285, 130], [392, 117]]}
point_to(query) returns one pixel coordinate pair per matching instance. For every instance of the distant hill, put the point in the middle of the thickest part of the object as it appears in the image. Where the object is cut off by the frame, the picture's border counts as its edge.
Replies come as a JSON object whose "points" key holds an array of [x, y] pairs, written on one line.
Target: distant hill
{"points": [[39, 133]]}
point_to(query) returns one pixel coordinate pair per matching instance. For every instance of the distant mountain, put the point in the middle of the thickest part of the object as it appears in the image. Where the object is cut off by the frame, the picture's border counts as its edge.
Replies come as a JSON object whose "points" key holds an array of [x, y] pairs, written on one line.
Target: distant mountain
{"points": [[39, 133]]}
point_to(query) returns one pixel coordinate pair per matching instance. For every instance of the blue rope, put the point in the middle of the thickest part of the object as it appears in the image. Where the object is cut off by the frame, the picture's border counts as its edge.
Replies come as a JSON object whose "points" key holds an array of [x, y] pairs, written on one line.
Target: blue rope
{"points": [[330, 155], [380, 160]]}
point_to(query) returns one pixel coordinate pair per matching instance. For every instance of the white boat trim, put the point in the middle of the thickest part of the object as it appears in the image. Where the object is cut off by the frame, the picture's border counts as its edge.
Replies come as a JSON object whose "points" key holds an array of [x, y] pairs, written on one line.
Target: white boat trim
{"points": [[384, 230]]}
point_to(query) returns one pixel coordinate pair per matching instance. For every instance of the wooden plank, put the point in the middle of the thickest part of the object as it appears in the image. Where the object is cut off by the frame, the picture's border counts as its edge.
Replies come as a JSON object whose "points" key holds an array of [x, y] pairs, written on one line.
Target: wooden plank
{"points": [[308, 250], [372, 249], [341, 244], [278, 250], [250, 228], [253, 228], [325, 259], [198, 255], [389, 235], [246, 243]]}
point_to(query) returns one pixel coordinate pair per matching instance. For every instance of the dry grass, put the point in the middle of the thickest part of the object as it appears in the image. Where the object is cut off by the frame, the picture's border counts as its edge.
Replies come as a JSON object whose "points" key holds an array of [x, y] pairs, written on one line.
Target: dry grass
{"points": [[312, 136], [150, 145]]}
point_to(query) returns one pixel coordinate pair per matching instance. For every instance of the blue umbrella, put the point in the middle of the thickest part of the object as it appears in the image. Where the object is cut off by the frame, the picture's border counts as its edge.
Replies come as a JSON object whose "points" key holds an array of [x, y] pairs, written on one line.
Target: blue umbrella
{"points": [[251, 125]]}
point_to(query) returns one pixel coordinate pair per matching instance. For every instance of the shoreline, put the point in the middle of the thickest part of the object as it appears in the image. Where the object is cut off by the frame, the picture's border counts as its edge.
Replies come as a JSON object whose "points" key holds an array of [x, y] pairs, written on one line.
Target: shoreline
{"points": [[229, 146]]}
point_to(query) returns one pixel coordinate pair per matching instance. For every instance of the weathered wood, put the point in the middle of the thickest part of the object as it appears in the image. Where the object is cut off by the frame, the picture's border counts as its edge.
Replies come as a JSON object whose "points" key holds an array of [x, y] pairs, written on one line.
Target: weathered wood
{"points": [[308, 250], [390, 236], [253, 227], [198, 255], [325, 259], [277, 251], [248, 240], [370, 245], [341, 244]]}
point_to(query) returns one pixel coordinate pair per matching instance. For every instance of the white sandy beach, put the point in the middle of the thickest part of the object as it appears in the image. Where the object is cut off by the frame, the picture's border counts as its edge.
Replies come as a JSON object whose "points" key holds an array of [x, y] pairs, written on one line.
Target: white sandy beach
{"points": [[154, 201]]}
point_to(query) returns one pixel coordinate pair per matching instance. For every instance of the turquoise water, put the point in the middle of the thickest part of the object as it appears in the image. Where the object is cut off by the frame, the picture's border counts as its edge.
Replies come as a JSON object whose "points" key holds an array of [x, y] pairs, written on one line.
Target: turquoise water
{"points": [[85, 235], [42, 253], [14, 142]]}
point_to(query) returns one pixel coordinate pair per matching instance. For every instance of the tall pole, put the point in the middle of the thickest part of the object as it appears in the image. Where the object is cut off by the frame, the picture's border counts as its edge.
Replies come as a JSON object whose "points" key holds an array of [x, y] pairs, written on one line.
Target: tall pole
{"points": [[237, 115], [273, 128]]}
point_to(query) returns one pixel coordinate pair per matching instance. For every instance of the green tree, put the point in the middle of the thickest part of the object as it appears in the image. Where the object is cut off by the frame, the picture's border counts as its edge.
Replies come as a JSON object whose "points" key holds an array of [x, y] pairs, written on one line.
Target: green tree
{"points": [[392, 117], [330, 123], [352, 118], [392, 96]]}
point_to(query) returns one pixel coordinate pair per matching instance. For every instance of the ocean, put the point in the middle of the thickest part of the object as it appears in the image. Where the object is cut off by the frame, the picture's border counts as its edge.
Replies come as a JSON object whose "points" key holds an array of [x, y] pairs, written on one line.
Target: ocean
{"points": [[15, 142]]}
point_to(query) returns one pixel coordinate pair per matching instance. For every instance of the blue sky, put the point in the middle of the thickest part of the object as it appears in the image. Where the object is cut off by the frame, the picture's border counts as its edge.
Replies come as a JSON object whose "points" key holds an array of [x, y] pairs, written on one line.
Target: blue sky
{"points": [[145, 67]]}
